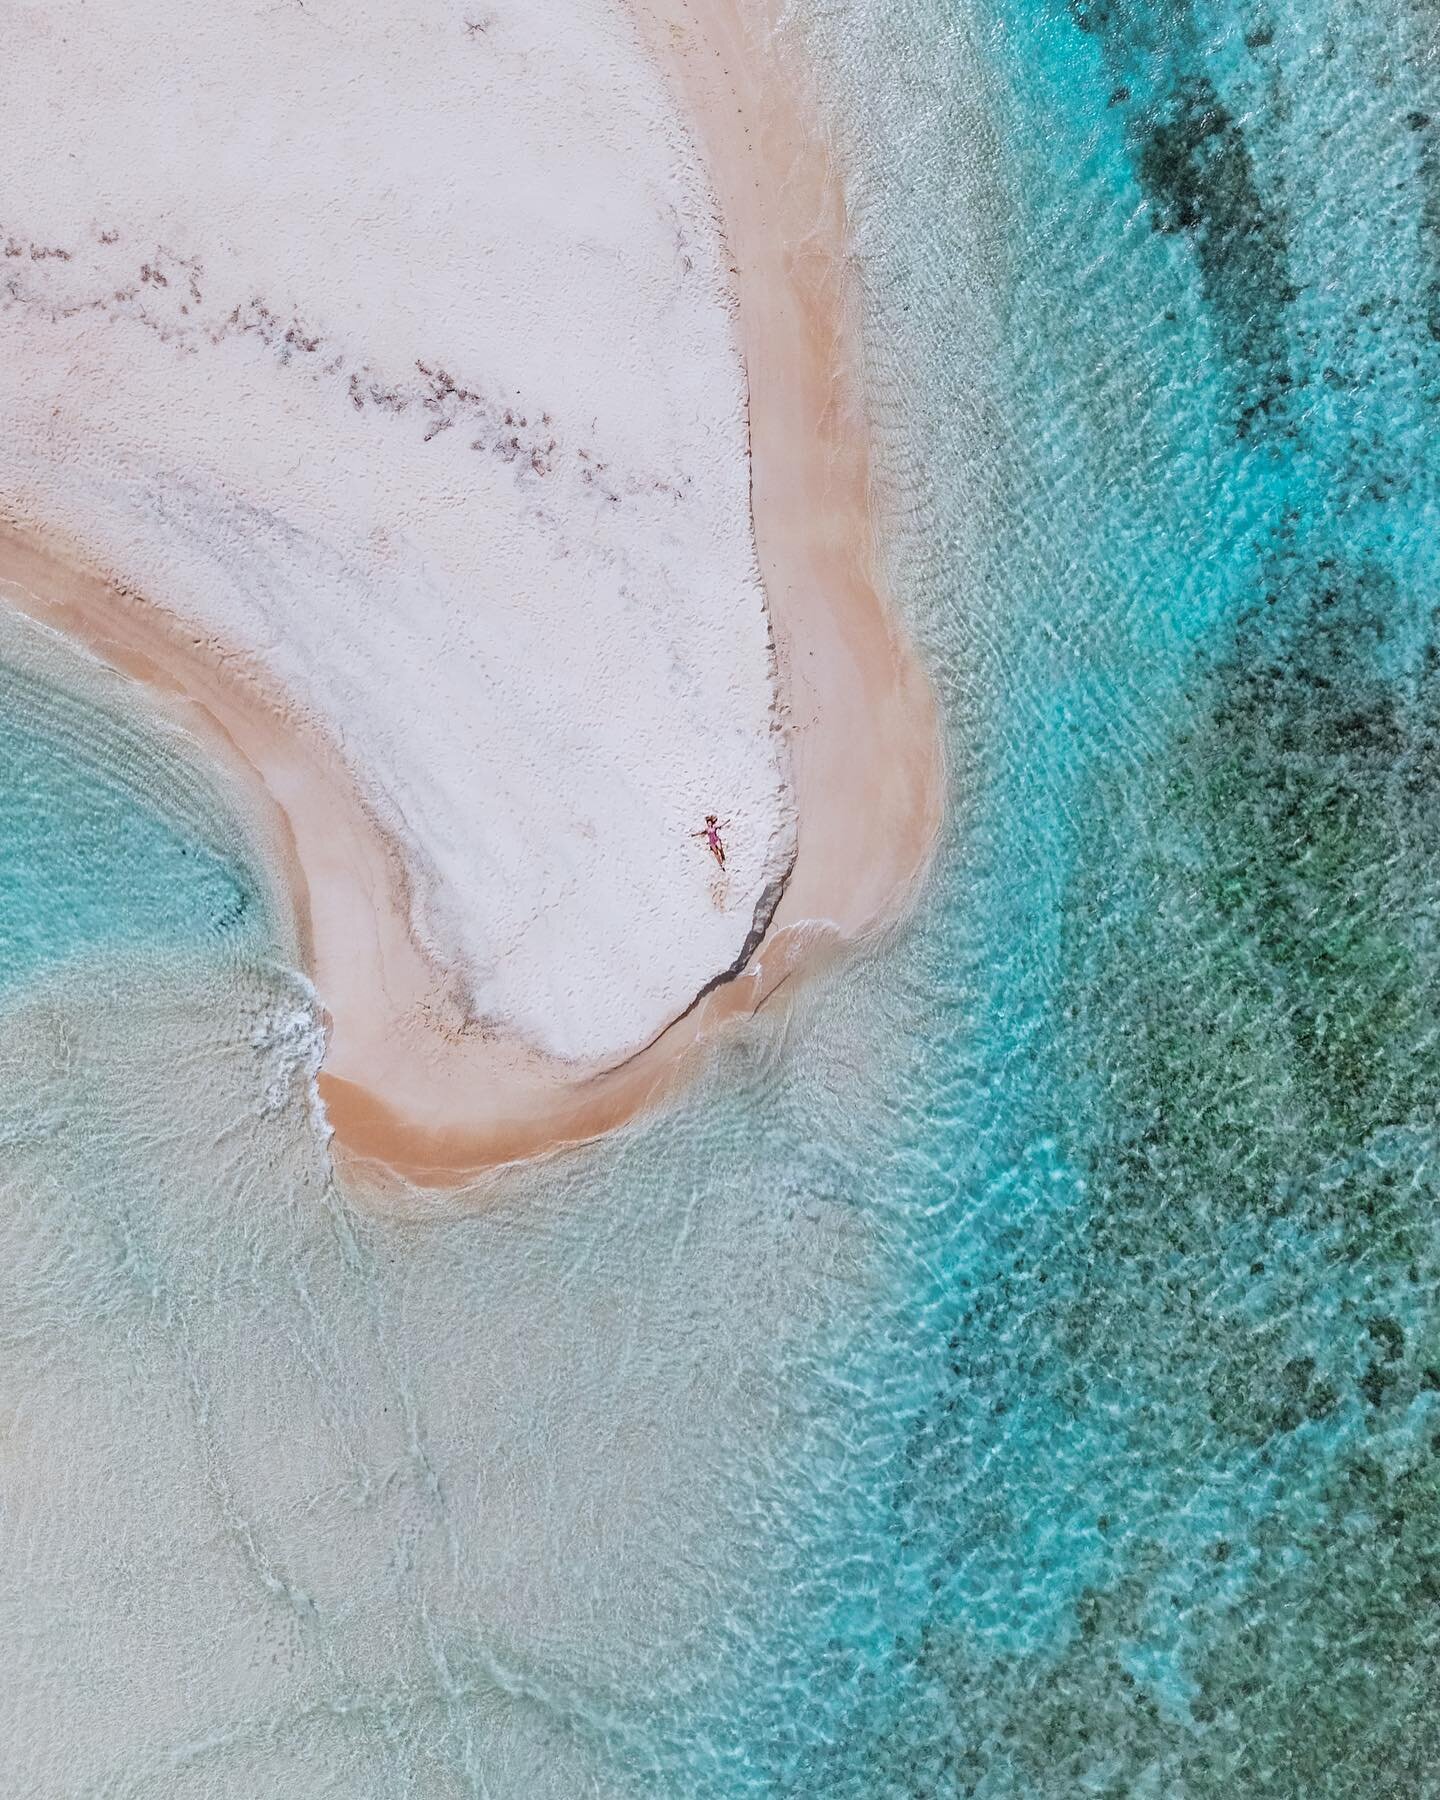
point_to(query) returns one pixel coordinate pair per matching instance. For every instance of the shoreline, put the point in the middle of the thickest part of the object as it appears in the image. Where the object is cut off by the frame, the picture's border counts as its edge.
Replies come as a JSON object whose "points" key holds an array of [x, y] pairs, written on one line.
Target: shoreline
{"points": [[862, 731], [862, 719]]}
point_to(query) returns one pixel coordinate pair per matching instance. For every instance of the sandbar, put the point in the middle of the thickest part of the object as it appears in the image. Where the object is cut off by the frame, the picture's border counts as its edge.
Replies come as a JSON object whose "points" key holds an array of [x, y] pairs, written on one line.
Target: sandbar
{"points": [[591, 1000]]}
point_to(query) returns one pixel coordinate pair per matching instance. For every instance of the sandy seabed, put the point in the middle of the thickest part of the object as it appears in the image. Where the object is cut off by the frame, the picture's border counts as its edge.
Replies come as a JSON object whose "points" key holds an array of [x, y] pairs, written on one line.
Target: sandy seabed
{"points": [[462, 430]]}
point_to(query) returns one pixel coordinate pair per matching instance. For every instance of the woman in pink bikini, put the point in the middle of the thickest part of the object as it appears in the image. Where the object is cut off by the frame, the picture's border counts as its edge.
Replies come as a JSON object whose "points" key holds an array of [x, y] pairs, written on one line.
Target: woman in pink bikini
{"points": [[711, 835]]}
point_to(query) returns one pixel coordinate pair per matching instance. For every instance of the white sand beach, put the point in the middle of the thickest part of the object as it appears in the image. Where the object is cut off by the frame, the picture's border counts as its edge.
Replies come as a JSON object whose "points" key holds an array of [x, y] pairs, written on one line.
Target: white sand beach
{"points": [[376, 383]]}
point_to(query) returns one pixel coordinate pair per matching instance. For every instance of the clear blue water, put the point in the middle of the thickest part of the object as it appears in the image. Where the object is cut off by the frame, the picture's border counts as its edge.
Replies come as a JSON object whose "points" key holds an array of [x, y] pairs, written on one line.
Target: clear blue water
{"points": [[1023, 1379], [1140, 1492], [100, 846]]}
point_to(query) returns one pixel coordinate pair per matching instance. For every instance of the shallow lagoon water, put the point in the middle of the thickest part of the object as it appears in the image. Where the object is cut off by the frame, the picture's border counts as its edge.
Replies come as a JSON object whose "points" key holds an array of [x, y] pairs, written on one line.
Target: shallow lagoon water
{"points": [[109, 840], [1018, 1372]]}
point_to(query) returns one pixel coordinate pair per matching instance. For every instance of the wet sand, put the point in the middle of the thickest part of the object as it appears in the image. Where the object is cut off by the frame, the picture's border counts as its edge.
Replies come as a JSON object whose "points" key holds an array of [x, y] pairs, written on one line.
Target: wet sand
{"points": [[414, 1088]]}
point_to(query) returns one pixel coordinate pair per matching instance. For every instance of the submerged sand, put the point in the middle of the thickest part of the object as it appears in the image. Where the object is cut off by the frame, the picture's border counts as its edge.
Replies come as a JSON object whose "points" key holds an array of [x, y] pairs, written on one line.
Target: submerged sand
{"points": [[506, 970]]}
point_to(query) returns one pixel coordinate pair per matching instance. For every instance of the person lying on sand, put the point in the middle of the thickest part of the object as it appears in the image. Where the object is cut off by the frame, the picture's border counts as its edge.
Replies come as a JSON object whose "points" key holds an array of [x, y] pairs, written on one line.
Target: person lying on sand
{"points": [[711, 835]]}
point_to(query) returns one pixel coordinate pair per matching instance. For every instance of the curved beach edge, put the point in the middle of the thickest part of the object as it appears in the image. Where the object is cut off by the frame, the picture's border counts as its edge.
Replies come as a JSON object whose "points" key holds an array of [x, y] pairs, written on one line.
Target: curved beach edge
{"points": [[419, 1100], [867, 756]]}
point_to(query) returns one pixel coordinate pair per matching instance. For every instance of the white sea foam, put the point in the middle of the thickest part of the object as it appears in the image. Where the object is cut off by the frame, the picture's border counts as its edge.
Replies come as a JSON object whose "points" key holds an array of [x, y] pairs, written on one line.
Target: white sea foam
{"points": [[289, 1040]]}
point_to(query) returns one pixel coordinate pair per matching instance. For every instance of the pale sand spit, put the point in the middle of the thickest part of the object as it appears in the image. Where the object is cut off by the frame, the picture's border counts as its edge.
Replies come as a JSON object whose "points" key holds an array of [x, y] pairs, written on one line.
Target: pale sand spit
{"points": [[375, 386]]}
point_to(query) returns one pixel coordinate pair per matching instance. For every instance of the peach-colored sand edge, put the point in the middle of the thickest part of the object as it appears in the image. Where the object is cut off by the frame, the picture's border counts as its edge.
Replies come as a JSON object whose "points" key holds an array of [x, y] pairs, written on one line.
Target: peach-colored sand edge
{"points": [[432, 1100]]}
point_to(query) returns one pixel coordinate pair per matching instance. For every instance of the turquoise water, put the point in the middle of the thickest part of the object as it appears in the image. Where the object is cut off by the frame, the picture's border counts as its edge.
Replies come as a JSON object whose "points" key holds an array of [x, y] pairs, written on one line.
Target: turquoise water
{"points": [[101, 848], [1017, 1373], [1150, 1498]]}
